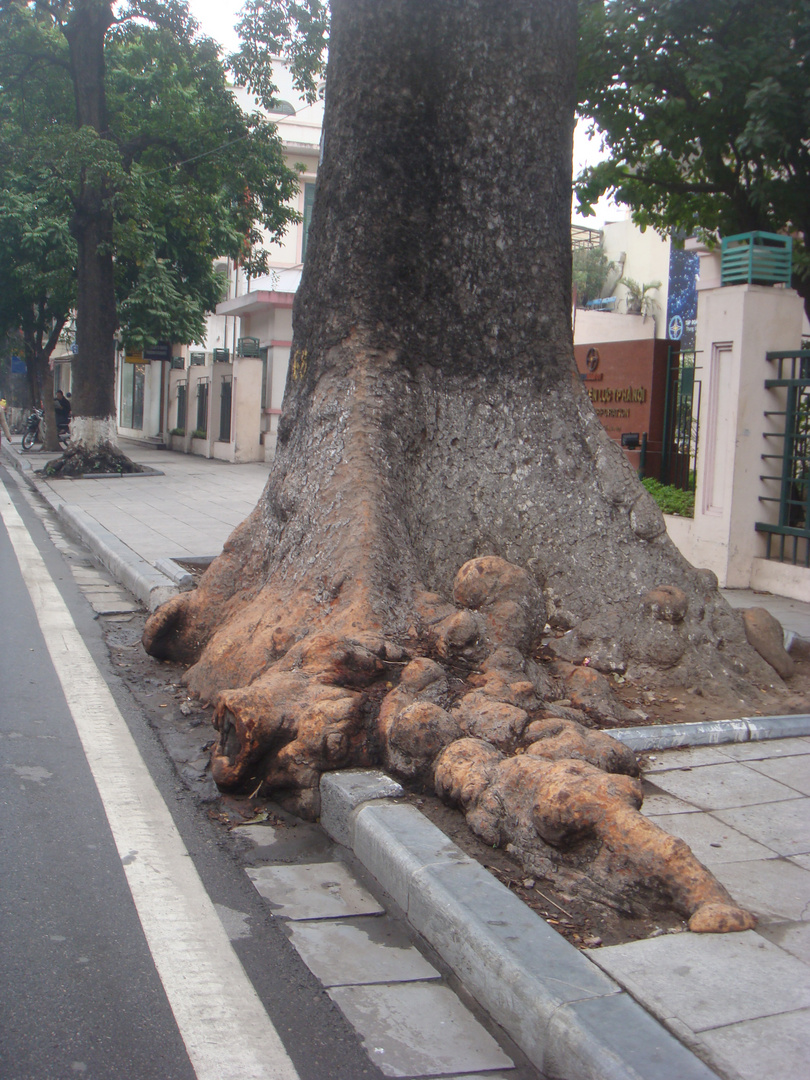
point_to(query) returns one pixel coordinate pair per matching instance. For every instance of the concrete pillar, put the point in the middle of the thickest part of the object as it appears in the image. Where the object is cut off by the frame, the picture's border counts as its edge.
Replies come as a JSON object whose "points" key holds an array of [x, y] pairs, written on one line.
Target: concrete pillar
{"points": [[736, 326], [246, 416]]}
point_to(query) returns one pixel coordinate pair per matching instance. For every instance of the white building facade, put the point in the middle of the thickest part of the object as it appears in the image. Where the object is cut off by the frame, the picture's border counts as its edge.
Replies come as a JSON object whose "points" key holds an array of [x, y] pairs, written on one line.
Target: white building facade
{"points": [[221, 397]]}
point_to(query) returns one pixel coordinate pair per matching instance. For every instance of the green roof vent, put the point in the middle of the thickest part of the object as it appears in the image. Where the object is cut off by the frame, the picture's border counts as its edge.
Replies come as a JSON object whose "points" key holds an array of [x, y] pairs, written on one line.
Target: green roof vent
{"points": [[756, 258], [248, 346]]}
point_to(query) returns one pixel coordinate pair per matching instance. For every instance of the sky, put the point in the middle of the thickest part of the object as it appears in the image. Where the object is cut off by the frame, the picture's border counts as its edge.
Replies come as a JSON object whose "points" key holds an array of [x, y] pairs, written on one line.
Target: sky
{"points": [[217, 19]]}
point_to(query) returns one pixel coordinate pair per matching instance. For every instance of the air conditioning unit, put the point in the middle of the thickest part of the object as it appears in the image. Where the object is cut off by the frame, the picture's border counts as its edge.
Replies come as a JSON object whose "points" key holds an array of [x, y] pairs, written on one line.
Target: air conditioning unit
{"points": [[197, 358], [248, 346], [178, 363], [222, 356]]}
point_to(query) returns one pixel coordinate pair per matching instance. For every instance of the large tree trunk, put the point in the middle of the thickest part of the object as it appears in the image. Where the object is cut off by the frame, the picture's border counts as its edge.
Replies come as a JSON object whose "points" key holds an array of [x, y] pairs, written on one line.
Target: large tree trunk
{"points": [[93, 422], [434, 421], [38, 351]]}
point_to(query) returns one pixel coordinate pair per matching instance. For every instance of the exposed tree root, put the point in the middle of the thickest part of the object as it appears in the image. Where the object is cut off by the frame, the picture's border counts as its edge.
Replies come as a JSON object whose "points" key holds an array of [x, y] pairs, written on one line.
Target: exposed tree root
{"points": [[78, 460], [511, 742]]}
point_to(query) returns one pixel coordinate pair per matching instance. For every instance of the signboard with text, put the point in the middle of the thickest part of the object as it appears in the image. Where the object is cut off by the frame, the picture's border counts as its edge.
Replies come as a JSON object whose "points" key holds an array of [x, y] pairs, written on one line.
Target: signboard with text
{"points": [[626, 381]]}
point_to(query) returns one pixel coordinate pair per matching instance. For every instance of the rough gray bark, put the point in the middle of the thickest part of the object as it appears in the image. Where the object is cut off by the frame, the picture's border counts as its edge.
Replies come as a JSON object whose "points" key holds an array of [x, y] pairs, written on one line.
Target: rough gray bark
{"points": [[442, 486], [92, 227]]}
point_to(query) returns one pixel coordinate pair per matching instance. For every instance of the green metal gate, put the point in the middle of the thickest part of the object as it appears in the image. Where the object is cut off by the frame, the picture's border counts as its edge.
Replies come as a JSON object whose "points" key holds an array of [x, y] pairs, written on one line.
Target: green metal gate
{"points": [[788, 464], [681, 420]]}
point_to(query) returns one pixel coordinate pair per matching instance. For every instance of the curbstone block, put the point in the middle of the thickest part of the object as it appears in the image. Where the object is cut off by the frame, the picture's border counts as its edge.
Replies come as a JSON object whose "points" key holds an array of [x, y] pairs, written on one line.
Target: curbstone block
{"points": [[182, 578], [778, 727], [629, 1044], [569, 1017], [669, 736], [395, 841], [343, 792], [510, 959], [141, 578]]}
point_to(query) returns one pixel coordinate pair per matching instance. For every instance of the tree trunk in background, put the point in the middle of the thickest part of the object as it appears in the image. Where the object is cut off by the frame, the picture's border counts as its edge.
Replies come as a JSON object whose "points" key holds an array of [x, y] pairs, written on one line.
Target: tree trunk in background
{"points": [[93, 398], [40, 375], [434, 420]]}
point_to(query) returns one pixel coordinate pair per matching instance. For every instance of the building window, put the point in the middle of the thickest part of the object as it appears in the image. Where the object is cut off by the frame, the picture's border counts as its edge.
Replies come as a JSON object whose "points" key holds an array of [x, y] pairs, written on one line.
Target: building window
{"points": [[309, 198], [133, 378]]}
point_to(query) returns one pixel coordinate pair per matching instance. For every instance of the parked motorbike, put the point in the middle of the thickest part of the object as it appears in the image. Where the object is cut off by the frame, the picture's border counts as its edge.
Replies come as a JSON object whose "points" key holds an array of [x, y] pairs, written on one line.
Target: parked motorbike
{"points": [[35, 426]]}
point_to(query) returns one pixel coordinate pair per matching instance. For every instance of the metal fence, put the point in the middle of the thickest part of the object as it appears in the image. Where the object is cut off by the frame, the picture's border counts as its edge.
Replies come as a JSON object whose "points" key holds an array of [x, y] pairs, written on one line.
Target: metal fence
{"points": [[787, 464], [681, 420]]}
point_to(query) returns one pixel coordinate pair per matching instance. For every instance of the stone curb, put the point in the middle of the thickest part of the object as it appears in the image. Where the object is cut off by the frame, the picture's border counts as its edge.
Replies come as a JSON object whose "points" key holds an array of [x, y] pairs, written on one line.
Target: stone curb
{"points": [[127, 567], [569, 1018], [147, 584], [711, 732]]}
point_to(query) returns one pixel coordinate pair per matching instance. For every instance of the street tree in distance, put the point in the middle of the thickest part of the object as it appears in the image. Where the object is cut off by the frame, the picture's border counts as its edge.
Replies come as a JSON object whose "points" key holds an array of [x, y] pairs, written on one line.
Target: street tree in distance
{"points": [[37, 251], [705, 111], [451, 560], [161, 173], [37, 273]]}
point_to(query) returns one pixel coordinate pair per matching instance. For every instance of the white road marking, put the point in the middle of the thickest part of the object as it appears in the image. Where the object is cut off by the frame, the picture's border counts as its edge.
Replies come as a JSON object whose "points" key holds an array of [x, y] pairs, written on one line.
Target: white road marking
{"points": [[224, 1026]]}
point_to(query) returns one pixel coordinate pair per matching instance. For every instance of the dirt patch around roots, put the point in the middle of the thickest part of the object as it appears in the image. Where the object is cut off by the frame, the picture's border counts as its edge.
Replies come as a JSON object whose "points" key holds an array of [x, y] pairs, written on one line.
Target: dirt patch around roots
{"points": [[185, 730], [689, 704], [79, 462]]}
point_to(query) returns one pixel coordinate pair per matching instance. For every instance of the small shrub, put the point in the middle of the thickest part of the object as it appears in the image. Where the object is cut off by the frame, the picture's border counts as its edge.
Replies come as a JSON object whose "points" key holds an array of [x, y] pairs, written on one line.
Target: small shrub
{"points": [[198, 433], [671, 500], [177, 431]]}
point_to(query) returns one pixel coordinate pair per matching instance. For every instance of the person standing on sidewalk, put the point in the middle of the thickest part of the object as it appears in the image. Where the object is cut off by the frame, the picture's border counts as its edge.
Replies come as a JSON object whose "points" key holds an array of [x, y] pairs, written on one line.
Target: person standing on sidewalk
{"points": [[62, 409], [3, 421]]}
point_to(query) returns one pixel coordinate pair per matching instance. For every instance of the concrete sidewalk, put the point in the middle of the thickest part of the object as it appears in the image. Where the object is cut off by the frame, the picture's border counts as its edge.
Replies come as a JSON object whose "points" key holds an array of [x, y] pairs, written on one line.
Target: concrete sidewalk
{"points": [[186, 508], [740, 1001]]}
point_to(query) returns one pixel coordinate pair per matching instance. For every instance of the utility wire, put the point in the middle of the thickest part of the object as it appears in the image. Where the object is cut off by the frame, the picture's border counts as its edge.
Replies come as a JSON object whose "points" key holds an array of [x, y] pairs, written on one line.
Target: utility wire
{"points": [[197, 157]]}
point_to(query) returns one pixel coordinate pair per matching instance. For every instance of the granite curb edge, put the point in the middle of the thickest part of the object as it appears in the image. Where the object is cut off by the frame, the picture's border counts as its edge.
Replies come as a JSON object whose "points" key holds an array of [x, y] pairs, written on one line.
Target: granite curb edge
{"points": [[570, 1019]]}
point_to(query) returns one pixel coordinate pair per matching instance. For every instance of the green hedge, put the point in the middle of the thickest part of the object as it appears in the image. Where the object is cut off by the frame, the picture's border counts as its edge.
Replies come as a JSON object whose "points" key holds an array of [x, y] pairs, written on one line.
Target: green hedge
{"points": [[672, 500]]}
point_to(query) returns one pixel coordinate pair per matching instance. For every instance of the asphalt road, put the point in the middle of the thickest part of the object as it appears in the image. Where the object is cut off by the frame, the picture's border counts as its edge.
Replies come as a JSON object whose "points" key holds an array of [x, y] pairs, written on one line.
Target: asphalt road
{"points": [[114, 962]]}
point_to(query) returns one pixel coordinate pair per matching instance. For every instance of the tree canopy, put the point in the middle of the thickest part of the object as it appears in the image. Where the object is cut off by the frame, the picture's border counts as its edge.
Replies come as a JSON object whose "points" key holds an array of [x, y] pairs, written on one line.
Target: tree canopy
{"points": [[126, 161], [296, 31], [705, 110]]}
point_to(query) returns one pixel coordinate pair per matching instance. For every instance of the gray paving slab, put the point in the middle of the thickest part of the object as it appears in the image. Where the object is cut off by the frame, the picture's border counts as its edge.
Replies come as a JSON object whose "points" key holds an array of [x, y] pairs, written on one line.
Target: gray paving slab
{"points": [[774, 889], [768, 748], [792, 614], [714, 787], [657, 803], [662, 760], [793, 937], [784, 827], [708, 980], [484, 1076], [367, 949], [285, 844], [313, 891], [770, 1048], [113, 605], [801, 860], [712, 841], [418, 1029], [794, 772]]}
